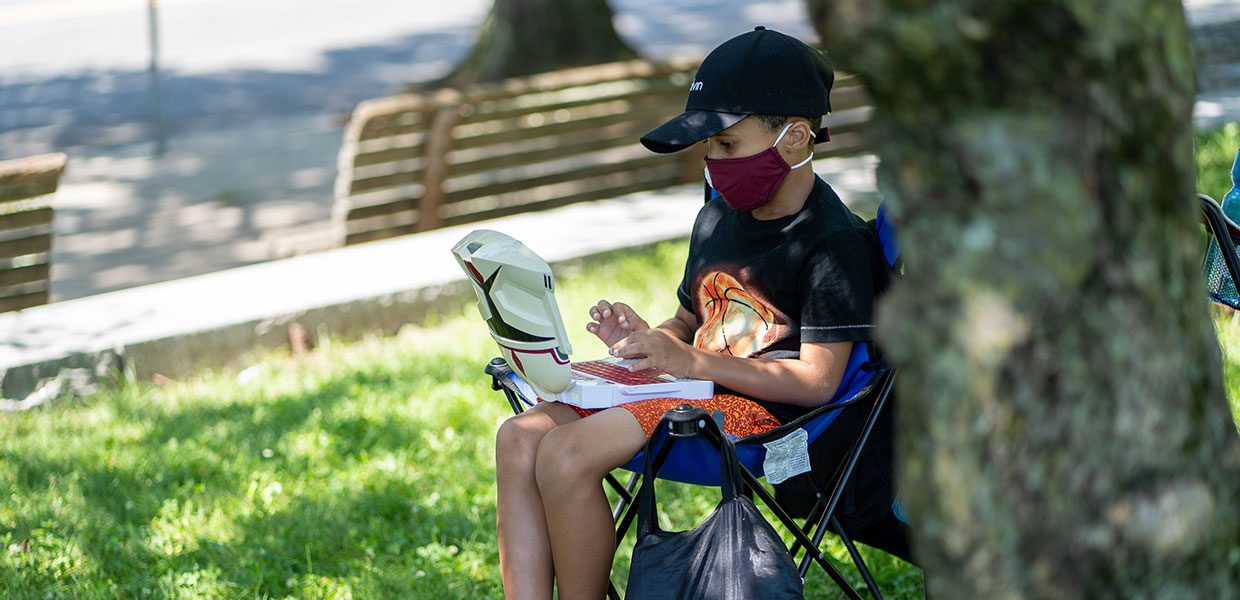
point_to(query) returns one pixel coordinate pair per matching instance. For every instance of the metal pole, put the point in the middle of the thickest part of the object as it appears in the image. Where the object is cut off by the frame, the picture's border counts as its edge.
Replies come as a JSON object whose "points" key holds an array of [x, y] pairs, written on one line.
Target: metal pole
{"points": [[157, 108]]}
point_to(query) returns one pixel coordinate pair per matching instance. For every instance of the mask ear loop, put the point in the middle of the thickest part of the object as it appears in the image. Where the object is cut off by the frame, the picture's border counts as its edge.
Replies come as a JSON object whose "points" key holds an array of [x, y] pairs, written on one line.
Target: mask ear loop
{"points": [[781, 136]]}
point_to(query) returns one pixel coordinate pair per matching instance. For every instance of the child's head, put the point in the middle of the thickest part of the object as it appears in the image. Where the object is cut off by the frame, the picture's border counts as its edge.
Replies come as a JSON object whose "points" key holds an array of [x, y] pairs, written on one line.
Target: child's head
{"points": [[760, 97], [770, 77]]}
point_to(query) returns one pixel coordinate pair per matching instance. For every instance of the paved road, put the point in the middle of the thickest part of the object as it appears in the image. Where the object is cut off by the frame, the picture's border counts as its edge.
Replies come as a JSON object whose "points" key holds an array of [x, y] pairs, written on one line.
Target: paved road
{"points": [[253, 96]]}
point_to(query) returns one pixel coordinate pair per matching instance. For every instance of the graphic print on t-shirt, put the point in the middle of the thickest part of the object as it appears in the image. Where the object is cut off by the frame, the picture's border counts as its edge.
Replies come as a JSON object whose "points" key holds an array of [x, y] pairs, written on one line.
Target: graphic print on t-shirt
{"points": [[736, 322]]}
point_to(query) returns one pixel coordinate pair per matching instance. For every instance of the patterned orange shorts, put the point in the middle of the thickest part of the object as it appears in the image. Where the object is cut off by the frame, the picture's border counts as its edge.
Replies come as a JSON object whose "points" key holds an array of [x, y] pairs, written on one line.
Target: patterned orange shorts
{"points": [[741, 416]]}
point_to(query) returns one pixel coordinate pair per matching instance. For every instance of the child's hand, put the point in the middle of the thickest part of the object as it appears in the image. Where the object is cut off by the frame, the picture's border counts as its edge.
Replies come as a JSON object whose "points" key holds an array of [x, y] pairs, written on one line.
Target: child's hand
{"points": [[613, 322], [657, 349]]}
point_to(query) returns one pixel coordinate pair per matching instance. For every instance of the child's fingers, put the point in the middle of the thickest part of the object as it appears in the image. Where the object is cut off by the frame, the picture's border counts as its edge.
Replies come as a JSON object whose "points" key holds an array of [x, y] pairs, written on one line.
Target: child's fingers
{"points": [[626, 348], [627, 314], [600, 311], [623, 309], [592, 327]]}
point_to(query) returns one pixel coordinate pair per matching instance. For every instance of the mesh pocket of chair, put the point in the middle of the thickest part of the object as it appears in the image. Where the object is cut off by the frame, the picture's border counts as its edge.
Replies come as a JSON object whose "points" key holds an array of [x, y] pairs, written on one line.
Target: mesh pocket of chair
{"points": [[1219, 284]]}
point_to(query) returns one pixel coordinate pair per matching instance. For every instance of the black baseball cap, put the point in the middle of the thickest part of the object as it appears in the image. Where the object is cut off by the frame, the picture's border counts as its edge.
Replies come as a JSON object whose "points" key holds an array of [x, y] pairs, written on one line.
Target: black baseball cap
{"points": [[760, 72]]}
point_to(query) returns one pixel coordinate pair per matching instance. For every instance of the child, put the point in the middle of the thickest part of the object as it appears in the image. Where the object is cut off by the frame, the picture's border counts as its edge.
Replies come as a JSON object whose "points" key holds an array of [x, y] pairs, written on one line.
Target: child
{"points": [[779, 284]]}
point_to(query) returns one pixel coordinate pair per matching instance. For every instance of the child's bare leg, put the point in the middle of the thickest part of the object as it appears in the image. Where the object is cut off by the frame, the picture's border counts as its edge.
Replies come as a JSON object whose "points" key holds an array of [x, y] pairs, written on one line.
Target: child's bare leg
{"points": [[524, 549], [572, 461]]}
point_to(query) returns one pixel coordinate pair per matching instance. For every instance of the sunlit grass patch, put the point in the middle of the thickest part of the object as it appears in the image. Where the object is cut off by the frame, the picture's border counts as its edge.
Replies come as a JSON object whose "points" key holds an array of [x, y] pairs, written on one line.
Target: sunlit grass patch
{"points": [[1215, 152], [1227, 323]]}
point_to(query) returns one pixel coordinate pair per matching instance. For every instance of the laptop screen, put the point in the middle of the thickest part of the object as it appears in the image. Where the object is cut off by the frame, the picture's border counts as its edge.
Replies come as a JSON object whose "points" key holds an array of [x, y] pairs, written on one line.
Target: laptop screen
{"points": [[516, 298]]}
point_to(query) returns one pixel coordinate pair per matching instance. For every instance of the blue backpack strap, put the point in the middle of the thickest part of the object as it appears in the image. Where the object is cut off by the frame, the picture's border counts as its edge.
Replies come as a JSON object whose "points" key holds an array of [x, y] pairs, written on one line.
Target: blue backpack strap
{"points": [[887, 236]]}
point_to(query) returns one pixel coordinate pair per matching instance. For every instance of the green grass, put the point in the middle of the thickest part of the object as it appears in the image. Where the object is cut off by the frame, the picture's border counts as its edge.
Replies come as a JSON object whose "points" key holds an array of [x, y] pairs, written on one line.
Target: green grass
{"points": [[1216, 150], [358, 470]]}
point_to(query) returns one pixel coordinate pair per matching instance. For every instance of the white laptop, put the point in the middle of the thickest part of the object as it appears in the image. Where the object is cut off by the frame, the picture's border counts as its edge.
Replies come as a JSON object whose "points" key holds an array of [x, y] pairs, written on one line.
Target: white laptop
{"points": [[516, 297]]}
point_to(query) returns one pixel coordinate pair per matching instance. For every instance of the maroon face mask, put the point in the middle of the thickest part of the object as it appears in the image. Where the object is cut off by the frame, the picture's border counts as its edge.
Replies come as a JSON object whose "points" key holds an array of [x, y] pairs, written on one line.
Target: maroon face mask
{"points": [[749, 182]]}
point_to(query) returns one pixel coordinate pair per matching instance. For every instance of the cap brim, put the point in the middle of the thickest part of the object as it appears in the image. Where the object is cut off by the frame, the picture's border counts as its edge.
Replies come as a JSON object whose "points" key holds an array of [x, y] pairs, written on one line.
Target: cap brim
{"points": [[686, 129]]}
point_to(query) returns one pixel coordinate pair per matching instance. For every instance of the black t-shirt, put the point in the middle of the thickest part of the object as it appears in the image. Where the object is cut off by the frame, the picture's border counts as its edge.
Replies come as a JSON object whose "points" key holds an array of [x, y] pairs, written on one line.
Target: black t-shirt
{"points": [[760, 288]]}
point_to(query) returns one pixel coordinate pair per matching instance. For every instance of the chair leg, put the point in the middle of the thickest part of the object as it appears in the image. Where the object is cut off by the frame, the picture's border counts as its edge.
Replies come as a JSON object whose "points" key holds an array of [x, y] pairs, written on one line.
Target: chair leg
{"points": [[624, 491], [814, 524], [856, 556]]}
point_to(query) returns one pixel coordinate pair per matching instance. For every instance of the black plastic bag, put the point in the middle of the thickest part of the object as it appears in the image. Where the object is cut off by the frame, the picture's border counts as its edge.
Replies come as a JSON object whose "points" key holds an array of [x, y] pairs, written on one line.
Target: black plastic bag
{"points": [[734, 555]]}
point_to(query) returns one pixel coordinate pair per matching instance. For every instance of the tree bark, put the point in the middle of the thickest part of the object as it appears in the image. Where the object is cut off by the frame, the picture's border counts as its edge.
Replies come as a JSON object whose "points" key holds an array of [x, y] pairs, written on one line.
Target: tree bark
{"points": [[1064, 431], [523, 37]]}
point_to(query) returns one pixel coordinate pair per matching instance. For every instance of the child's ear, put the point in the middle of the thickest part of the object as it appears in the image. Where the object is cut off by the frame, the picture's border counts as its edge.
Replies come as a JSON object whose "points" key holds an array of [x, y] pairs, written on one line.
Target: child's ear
{"points": [[799, 135]]}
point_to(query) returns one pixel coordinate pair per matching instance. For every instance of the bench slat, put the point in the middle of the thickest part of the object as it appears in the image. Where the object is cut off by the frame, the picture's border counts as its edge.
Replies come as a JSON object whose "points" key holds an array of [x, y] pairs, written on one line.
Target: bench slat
{"points": [[570, 174], [543, 149], [23, 275], [581, 76], [408, 113], [22, 246], [849, 97], [30, 188], [610, 115], [562, 194], [30, 176], [392, 179], [26, 218], [22, 301], [388, 208], [374, 133], [637, 93], [490, 105], [397, 115], [389, 154], [844, 144]]}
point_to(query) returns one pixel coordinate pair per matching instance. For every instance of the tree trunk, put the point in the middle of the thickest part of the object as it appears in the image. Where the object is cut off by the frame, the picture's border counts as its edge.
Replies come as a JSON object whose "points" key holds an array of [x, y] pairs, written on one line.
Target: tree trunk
{"points": [[1064, 429], [523, 37]]}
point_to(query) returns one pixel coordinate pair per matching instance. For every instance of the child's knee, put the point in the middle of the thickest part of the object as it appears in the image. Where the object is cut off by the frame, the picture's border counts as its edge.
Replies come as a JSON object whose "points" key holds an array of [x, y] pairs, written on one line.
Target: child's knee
{"points": [[561, 463], [516, 443]]}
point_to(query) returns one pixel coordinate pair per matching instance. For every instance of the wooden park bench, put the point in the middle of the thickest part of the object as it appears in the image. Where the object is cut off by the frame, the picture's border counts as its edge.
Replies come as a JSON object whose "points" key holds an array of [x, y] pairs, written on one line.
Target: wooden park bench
{"points": [[416, 162], [26, 186]]}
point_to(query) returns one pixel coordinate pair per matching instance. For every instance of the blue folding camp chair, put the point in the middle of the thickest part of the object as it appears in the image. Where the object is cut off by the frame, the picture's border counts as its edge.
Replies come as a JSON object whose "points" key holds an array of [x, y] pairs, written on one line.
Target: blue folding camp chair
{"points": [[849, 434], [1221, 265]]}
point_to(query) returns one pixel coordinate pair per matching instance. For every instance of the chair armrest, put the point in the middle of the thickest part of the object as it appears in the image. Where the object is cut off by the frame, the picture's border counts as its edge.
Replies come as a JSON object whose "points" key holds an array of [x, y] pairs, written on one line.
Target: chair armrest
{"points": [[1213, 216]]}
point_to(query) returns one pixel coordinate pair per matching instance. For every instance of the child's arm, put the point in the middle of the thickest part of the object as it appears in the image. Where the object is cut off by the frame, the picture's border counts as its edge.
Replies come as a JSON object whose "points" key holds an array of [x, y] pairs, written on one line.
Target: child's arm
{"points": [[807, 381], [682, 325]]}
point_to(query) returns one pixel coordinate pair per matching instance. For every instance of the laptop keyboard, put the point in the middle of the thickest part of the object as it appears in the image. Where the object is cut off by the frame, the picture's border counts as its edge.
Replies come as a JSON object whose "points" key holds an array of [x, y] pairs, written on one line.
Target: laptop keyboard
{"points": [[618, 374]]}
